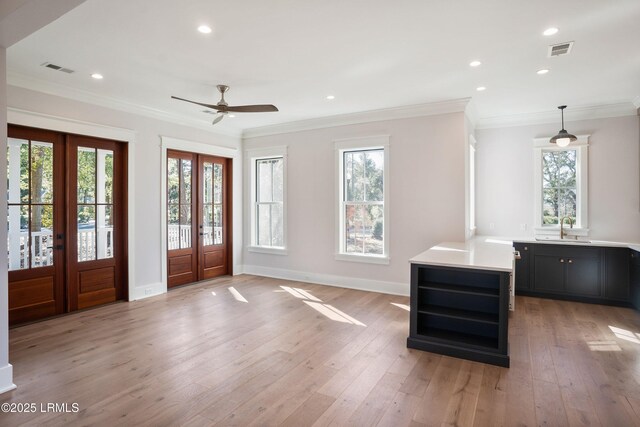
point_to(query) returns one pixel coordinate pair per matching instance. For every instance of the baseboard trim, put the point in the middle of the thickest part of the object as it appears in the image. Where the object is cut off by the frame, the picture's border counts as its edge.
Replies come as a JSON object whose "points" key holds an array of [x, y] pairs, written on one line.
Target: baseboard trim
{"points": [[147, 291], [6, 379], [392, 288]]}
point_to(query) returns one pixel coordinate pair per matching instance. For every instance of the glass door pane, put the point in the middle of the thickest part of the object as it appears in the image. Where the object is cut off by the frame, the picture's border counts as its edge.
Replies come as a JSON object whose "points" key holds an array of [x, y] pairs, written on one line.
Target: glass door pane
{"points": [[30, 204], [95, 204], [179, 200]]}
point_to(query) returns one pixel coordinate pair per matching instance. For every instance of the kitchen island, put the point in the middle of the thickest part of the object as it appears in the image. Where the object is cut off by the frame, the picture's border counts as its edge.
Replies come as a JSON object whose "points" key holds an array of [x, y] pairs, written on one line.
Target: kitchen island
{"points": [[460, 299]]}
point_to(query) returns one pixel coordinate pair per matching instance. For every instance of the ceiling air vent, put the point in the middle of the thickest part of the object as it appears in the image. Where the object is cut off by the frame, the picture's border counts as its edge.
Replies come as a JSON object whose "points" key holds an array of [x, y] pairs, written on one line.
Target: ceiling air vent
{"points": [[57, 67], [560, 49]]}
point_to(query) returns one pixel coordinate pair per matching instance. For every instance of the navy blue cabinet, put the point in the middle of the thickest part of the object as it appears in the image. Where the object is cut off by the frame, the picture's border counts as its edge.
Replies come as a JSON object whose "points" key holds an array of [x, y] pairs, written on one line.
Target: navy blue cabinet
{"points": [[617, 274], [522, 266], [634, 278], [460, 312], [603, 275]]}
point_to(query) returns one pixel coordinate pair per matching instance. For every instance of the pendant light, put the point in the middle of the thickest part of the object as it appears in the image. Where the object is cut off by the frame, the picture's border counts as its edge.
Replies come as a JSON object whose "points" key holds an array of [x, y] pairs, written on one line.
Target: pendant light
{"points": [[563, 138]]}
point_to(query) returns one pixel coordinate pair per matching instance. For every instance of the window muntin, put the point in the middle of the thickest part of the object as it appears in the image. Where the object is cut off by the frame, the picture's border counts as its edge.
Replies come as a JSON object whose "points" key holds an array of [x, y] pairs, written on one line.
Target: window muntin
{"points": [[269, 202], [363, 202]]}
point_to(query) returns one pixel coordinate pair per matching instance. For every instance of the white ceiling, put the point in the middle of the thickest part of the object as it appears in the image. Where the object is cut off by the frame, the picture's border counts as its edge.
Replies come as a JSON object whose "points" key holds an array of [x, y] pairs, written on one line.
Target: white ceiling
{"points": [[369, 54]]}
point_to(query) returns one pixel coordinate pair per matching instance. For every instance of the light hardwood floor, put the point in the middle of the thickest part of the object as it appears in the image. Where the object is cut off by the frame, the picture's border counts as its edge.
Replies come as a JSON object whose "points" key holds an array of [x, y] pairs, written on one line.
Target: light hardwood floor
{"points": [[325, 356]]}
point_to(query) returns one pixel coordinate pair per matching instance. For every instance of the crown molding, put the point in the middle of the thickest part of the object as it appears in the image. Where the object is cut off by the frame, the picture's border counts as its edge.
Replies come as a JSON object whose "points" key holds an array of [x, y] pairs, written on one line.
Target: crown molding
{"points": [[636, 101], [588, 112], [409, 111], [56, 89]]}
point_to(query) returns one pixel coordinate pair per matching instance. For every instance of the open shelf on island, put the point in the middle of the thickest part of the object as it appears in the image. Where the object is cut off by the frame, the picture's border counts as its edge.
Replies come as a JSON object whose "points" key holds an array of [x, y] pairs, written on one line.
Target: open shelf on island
{"points": [[460, 312]]}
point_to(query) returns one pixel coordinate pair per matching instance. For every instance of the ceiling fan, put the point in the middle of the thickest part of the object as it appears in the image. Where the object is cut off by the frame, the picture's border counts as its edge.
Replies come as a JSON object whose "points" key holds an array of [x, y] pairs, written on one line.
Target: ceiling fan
{"points": [[223, 108]]}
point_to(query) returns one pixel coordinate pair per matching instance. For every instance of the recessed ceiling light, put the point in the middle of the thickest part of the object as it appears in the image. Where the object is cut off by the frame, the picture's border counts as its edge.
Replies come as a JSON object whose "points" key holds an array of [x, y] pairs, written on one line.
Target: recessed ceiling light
{"points": [[204, 29], [543, 71], [97, 76], [232, 115], [330, 97], [475, 63], [481, 88], [550, 31]]}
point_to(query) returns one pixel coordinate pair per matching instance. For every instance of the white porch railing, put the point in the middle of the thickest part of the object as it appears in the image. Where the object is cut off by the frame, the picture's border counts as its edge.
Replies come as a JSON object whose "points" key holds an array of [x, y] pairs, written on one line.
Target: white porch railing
{"points": [[179, 236], [42, 247]]}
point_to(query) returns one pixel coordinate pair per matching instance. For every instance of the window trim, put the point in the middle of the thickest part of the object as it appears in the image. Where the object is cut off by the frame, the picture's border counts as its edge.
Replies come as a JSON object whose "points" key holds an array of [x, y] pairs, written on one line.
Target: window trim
{"points": [[253, 156], [472, 184], [582, 177], [376, 142]]}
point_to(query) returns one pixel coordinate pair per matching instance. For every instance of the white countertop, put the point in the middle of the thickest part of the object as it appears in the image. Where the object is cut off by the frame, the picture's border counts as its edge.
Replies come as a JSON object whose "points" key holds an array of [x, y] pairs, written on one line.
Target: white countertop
{"points": [[482, 253], [599, 243], [493, 253]]}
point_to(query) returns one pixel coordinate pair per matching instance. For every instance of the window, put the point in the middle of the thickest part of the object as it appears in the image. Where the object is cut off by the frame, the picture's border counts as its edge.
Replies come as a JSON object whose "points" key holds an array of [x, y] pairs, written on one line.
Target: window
{"points": [[472, 185], [561, 186], [270, 202], [268, 194], [362, 211]]}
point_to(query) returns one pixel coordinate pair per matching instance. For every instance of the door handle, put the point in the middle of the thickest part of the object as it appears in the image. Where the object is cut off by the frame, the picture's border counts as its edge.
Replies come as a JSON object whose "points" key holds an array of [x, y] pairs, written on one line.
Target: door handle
{"points": [[56, 247]]}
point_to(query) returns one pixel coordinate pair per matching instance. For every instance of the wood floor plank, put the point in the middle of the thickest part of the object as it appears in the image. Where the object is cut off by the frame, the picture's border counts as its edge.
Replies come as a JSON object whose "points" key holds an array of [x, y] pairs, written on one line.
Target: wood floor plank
{"points": [[190, 357], [433, 408], [549, 406], [401, 410]]}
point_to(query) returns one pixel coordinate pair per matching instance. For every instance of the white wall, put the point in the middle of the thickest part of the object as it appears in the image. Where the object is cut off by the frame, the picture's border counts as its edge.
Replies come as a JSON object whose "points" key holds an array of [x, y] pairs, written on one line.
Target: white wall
{"points": [[147, 166], [505, 177], [427, 200], [6, 371]]}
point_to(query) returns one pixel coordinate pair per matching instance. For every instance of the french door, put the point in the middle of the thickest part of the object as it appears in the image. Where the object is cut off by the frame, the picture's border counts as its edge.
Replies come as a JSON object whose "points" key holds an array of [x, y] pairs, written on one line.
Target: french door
{"points": [[96, 202], [198, 217], [66, 222]]}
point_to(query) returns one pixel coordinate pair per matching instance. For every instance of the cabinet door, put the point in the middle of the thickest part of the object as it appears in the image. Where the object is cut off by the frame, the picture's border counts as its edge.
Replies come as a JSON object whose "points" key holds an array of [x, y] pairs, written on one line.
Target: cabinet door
{"points": [[549, 273], [635, 279], [616, 285], [522, 266], [583, 275]]}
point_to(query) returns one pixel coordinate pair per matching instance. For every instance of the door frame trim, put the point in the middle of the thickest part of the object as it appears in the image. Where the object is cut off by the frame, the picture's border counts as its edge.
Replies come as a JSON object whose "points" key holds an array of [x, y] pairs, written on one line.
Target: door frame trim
{"points": [[171, 143], [61, 124]]}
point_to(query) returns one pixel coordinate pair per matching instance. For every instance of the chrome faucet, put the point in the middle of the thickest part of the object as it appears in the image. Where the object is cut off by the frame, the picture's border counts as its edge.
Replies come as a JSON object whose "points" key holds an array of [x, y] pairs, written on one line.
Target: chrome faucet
{"points": [[562, 232]]}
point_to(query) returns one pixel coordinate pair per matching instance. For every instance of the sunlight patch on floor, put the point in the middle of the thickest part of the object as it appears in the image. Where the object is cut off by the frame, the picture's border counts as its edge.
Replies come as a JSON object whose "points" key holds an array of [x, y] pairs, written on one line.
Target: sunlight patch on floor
{"points": [[307, 295], [293, 292], [333, 313], [624, 334], [603, 346], [237, 294], [402, 306]]}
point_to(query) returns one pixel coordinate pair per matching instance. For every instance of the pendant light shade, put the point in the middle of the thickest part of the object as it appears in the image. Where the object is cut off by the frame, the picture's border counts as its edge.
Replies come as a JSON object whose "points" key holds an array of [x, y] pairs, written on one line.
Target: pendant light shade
{"points": [[563, 138]]}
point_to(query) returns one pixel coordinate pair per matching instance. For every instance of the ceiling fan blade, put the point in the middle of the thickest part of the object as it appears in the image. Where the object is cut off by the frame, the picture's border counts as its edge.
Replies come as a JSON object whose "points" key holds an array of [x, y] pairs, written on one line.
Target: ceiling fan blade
{"points": [[218, 119], [252, 108], [212, 106]]}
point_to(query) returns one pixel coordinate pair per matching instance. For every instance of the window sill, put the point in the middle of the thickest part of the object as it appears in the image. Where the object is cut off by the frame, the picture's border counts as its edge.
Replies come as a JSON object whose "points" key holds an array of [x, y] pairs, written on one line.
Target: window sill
{"points": [[268, 250], [368, 259]]}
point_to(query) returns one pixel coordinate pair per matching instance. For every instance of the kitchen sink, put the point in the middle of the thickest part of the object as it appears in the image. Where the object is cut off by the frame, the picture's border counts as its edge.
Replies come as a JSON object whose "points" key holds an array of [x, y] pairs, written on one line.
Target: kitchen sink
{"points": [[558, 240]]}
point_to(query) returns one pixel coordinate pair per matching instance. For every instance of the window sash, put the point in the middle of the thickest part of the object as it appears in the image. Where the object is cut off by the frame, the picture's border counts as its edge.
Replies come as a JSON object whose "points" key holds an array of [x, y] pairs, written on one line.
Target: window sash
{"points": [[581, 147], [259, 192], [347, 199]]}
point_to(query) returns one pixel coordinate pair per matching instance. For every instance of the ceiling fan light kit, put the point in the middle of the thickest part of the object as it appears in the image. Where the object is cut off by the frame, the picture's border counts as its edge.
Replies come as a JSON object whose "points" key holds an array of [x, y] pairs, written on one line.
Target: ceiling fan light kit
{"points": [[563, 138], [223, 108]]}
